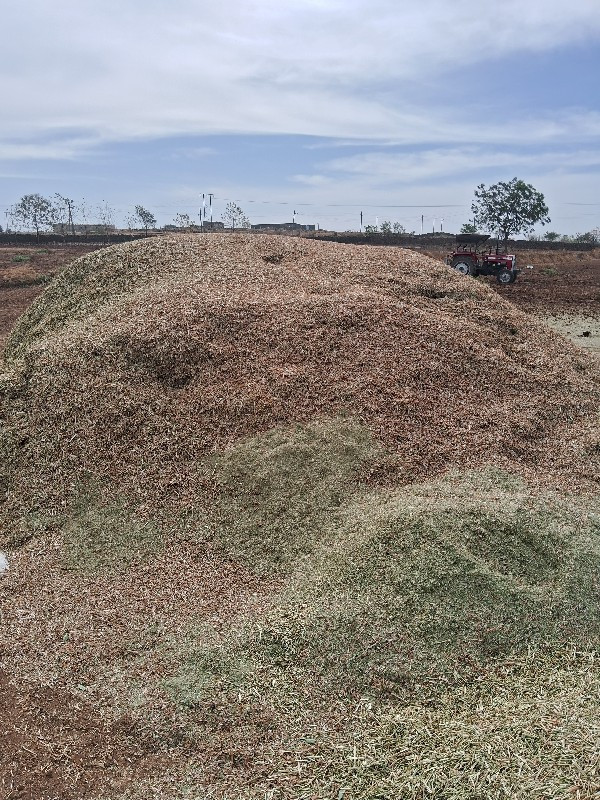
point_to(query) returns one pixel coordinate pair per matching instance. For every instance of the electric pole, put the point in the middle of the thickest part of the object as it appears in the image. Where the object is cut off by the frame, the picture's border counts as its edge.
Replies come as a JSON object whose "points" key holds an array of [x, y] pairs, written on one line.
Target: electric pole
{"points": [[69, 204]]}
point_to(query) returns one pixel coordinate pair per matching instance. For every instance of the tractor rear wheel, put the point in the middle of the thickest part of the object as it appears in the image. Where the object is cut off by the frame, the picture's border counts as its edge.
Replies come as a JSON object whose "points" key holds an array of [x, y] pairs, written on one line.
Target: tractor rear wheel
{"points": [[506, 276], [464, 265]]}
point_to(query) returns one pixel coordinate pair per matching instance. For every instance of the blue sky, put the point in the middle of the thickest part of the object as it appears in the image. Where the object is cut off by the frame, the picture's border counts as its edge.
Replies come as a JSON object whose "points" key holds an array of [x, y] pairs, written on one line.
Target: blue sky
{"points": [[322, 107]]}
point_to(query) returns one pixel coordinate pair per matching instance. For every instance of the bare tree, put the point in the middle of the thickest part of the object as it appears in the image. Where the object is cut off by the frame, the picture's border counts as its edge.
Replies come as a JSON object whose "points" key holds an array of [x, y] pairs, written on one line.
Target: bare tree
{"points": [[183, 221], [65, 209], [106, 218], [234, 217]]}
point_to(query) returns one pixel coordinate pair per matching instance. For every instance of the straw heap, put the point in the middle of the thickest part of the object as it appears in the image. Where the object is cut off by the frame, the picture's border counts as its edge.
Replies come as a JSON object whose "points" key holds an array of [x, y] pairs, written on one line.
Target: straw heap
{"points": [[264, 538], [142, 357]]}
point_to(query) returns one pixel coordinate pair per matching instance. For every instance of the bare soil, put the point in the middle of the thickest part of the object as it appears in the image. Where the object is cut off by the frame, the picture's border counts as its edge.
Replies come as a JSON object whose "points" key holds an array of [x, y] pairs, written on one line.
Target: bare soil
{"points": [[566, 281], [24, 271]]}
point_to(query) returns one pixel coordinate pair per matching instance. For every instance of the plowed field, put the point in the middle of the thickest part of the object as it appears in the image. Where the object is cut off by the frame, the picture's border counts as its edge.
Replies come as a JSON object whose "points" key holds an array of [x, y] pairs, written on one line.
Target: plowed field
{"points": [[24, 271]]}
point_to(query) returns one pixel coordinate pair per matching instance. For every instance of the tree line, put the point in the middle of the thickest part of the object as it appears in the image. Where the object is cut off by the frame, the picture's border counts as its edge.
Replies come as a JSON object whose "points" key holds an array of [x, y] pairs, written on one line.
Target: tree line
{"points": [[38, 213], [506, 208]]}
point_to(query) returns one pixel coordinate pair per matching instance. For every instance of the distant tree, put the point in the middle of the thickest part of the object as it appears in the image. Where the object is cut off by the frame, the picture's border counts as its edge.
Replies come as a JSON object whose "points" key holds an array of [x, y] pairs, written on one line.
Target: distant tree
{"points": [[183, 221], [106, 215], [385, 227], [234, 217], [34, 211], [146, 219], [397, 228], [551, 236], [591, 237], [509, 207], [369, 229], [468, 227], [84, 214], [106, 218]]}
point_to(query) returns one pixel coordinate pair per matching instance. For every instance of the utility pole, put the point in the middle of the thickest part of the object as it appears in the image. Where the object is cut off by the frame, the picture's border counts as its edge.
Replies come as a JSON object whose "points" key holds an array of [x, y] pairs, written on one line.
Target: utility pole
{"points": [[422, 221], [69, 205], [361, 221], [210, 197]]}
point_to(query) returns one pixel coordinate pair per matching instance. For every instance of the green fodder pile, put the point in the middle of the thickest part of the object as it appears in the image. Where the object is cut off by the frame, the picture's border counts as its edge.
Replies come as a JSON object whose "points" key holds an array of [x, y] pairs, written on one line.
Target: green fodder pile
{"points": [[289, 516]]}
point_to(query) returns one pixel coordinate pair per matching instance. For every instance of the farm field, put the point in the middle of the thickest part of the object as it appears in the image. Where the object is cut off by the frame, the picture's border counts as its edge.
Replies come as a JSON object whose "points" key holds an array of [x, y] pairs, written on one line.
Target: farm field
{"points": [[293, 520]]}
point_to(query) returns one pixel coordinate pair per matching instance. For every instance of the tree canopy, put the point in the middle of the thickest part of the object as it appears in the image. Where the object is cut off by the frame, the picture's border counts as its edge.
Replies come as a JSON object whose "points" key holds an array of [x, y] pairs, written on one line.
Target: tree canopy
{"points": [[509, 208], [34, 211], [145, 217]]}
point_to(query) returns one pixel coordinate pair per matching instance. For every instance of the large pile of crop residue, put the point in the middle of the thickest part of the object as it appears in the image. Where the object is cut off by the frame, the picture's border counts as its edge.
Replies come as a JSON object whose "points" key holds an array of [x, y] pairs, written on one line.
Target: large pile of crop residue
{"points": [[143, 357], [284, 518]]}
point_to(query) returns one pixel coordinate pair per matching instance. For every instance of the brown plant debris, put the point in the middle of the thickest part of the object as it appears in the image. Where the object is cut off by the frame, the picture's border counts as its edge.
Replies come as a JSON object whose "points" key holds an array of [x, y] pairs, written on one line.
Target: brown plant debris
{"points": [[287, 519], [142, 357]]}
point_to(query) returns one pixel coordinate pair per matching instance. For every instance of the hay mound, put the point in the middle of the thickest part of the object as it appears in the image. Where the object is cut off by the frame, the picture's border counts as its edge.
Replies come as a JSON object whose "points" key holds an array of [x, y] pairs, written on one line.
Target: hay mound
{"points": [[279, 549], [143, 357]]}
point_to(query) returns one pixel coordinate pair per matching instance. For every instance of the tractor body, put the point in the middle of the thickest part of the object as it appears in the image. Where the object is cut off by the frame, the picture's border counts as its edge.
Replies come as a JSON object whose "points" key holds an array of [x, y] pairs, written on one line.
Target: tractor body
{"points": [[471, 256]]}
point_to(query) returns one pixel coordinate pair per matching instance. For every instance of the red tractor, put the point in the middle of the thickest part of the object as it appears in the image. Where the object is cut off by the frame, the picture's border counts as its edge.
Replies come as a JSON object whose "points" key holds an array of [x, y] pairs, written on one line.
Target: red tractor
{"points": [[470, 257]]}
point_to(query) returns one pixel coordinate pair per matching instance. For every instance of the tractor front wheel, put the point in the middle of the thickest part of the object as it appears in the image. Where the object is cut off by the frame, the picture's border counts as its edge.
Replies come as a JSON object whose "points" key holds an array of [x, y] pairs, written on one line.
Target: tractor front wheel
{"points": [[506, 276], [465, 266]]}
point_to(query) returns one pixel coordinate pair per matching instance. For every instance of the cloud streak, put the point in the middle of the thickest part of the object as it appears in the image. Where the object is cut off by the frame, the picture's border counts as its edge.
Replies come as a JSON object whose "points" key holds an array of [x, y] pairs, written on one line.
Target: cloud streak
{"points": [[308, 67]]}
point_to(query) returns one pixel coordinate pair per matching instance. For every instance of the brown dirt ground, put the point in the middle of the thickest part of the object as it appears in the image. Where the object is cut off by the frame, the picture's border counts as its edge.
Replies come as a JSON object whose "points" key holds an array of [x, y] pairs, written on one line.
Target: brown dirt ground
{"points": [[560, 281], [23, 273]]}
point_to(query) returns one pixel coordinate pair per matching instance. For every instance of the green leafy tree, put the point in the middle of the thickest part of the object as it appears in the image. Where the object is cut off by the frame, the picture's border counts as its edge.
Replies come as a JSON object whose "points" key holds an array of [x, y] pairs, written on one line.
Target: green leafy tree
{"points": [[145, 218], [591, 237], [509, 207], [369, 229], [34, 211], [234, 217], [552, 236], [386, 227], [468, 227], [398, 228]]}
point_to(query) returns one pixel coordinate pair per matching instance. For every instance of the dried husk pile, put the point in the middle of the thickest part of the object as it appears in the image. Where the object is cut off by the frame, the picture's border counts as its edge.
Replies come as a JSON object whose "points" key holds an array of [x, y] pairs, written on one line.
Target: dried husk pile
{"points": [[266, 539], [143, 357]]}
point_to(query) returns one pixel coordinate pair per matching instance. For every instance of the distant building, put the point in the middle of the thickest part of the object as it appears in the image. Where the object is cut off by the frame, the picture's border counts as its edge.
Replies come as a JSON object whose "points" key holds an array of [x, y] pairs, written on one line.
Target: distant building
{"points": [[213, 226], [282, 226]]}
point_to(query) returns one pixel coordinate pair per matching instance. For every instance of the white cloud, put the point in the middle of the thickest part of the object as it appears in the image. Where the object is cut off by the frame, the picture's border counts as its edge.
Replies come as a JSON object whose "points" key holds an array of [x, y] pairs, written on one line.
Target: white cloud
{"points": [[410, 167], [122, 71]]}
